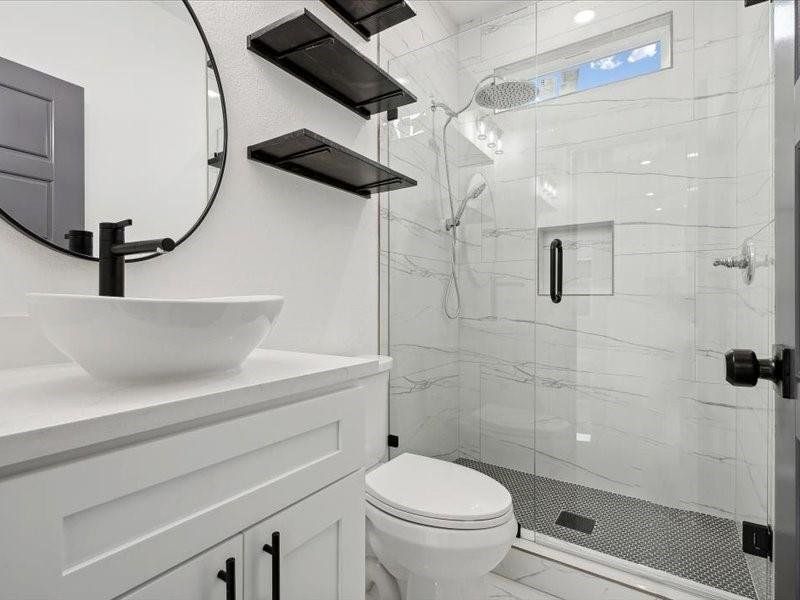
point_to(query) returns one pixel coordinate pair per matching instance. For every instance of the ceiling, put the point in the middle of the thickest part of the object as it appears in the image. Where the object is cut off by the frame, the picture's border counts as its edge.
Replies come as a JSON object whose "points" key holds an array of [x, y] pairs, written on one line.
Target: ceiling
{"points": [[463, 11]]}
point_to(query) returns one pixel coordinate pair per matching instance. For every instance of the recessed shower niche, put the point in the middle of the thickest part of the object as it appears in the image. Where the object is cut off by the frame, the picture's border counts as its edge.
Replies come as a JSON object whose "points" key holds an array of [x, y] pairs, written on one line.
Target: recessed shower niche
{"points": [[588, 258]]}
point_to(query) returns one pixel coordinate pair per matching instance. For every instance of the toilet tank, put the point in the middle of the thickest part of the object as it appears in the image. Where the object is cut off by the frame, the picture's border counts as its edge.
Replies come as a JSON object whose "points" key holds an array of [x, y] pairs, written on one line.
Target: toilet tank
{"points": [[376, 415]]}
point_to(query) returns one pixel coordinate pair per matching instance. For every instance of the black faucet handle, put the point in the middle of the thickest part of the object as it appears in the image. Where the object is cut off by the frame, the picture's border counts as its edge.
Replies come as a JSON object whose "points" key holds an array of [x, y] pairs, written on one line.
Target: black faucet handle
{"points": [[118, 225]]}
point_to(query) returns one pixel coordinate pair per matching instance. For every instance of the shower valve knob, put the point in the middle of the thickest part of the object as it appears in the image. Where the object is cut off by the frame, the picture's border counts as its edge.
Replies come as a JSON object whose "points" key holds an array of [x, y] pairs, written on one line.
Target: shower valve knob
{"points": [[743, 368]]}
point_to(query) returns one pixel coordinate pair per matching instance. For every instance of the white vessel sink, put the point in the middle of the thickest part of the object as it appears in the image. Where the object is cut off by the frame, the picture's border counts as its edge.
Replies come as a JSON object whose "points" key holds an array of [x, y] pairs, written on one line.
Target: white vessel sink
{"points": [[142, 339]]}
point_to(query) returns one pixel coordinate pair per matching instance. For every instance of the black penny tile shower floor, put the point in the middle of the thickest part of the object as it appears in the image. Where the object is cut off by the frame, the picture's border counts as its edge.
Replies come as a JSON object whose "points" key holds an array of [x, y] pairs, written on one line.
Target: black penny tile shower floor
{"points": [[688, 544]]}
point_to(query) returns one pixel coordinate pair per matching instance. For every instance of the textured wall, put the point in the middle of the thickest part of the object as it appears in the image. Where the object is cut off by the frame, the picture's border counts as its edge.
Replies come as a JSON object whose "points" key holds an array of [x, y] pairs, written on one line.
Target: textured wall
{"points": [[268, 232]]}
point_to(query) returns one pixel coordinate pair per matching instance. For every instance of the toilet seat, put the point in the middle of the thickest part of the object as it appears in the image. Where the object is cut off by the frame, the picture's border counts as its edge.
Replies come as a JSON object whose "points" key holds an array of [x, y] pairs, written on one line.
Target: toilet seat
{"points": [[440, 523], [436, 493]]}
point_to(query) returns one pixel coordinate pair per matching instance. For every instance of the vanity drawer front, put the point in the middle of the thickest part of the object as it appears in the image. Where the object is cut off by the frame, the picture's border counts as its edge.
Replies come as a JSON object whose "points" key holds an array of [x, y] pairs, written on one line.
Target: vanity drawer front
{"points": [[104, 524]]}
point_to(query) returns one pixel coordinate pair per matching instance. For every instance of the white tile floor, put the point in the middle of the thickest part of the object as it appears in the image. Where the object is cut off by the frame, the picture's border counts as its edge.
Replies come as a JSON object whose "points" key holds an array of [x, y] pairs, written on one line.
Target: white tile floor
{"points": [[501, 588], [530, 577]]}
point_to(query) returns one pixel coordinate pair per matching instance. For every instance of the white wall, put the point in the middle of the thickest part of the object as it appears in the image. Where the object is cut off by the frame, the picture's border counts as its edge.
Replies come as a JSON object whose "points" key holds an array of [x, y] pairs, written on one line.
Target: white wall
{"points": [[143, 72], [268, 231]]}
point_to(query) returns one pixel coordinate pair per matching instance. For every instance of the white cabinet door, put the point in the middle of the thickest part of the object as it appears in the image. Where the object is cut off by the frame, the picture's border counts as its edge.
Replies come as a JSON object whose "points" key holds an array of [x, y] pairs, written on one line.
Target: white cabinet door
{"points": [[321, 554], [199, 578]]}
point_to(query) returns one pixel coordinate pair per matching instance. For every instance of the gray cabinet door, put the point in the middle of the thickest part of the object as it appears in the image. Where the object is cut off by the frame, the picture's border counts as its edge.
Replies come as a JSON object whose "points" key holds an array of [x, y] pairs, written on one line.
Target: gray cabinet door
{"points": [[41, 152]]}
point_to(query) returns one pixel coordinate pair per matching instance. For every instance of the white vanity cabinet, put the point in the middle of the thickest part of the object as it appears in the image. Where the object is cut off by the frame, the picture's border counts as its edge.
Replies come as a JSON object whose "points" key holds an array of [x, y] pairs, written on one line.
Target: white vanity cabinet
{"points": [[155, 510], [315, 548]]}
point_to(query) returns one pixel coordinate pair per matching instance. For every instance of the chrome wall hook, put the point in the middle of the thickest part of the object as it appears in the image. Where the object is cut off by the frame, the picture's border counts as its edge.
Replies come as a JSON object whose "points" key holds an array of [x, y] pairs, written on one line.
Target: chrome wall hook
{"points": [[745, 261]]}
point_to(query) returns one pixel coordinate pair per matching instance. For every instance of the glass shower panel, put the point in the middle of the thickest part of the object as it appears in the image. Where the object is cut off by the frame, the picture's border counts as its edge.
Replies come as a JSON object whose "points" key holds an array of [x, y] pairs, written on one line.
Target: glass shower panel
{"points": [[416, 252], [463, 378], [643, 452]]}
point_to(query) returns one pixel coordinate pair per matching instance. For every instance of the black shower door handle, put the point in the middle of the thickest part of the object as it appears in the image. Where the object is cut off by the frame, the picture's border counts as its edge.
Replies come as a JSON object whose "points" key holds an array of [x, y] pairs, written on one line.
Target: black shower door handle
{"points": [[556, 270]]}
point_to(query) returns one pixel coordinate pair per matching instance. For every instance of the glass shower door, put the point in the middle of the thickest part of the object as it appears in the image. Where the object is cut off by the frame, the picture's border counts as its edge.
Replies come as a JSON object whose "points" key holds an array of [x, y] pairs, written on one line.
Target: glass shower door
{"points": [[653, 187]]}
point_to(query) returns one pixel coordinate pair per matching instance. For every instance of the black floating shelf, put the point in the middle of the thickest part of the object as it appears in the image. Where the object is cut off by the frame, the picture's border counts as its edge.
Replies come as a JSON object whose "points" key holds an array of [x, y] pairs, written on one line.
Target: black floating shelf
{"points": [[304, 46], [310, 155], [368, 17]]}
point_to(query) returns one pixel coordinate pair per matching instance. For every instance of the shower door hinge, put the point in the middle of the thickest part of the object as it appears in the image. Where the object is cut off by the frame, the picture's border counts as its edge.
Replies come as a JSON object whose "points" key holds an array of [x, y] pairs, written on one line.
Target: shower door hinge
{"points": [[757, 539], [393, 441], [789, 372]]}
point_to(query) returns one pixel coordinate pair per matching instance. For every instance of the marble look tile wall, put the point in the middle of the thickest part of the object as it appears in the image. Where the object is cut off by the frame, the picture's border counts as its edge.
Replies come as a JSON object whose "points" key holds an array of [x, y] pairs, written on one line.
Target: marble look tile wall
{"points": [[627, 392], [615, 375], [623, 392]]}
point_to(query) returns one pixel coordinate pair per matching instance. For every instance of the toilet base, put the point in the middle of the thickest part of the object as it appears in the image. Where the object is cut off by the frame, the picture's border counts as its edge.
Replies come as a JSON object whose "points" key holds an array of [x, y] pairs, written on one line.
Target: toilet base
{"points": [[420, 588], [434, 563]]}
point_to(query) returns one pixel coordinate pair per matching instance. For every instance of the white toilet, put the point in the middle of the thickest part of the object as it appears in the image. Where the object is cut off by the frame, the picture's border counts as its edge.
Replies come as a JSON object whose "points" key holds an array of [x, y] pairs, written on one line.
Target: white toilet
{"points": [[436, 526]]}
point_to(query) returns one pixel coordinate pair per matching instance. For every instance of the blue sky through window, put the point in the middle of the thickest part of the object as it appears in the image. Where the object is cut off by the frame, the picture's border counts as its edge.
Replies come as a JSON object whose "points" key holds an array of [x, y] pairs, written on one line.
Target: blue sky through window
{"points": [[610, 69], [620, 66]]}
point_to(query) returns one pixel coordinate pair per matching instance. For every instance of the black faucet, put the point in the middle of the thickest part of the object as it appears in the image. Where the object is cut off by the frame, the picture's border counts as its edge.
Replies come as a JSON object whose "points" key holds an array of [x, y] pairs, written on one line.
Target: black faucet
{"points": [[114, 249]]}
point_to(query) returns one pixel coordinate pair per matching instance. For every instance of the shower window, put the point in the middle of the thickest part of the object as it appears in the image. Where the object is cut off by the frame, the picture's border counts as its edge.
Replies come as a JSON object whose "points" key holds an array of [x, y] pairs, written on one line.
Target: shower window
{"points": [[594, 73], [627, 52]]}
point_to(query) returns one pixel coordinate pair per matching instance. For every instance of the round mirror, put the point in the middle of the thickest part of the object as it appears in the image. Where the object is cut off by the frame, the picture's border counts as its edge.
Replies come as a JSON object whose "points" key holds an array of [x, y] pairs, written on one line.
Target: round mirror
{"points": [[109, 110]]}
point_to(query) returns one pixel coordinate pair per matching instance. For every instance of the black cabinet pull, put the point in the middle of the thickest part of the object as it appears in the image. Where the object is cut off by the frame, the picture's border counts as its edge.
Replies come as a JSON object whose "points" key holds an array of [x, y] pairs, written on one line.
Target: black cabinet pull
{"points": [[274, 550], [229, 577], [556, 270]]}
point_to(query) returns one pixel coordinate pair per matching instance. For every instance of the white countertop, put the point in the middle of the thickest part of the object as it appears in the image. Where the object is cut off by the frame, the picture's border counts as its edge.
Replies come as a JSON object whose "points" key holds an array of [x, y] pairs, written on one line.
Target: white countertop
{"points": [[54, 409]]}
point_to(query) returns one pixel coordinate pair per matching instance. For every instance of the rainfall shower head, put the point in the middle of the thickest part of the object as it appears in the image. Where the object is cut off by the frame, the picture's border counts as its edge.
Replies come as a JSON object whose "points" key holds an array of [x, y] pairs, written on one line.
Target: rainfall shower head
{"points": [[497, 95], [506, 94]]}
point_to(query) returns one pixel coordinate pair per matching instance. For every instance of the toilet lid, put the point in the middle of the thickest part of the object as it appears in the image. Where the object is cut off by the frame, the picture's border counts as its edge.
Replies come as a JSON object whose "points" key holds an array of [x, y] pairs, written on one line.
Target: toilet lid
{"points": [[437, 489], [439, 523]]}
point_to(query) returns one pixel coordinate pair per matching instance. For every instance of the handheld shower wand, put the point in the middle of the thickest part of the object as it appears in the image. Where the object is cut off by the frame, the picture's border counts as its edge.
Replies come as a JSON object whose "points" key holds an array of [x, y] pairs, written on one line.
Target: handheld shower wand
{"points": [[496, 96], [473, 193]]}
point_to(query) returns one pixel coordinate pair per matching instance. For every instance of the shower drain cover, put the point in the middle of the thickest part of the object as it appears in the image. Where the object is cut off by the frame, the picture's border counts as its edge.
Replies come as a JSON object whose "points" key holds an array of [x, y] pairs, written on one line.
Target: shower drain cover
{"points": [[576, 522]]}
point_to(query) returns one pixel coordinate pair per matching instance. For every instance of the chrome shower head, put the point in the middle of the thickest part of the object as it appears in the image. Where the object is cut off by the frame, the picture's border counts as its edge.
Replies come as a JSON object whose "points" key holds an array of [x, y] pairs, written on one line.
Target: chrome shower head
{"points": [[506, 94], [497, 95]]}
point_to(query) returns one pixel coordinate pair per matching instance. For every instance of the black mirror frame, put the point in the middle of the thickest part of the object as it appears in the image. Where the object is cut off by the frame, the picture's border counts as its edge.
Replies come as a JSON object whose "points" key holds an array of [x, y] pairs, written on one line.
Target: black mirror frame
{"points": [[213, 64]]}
